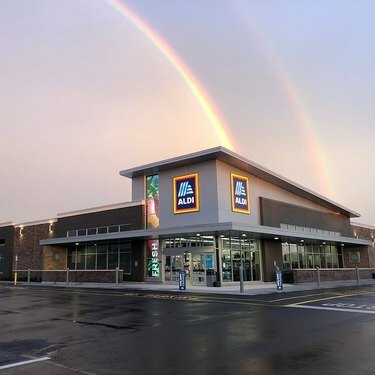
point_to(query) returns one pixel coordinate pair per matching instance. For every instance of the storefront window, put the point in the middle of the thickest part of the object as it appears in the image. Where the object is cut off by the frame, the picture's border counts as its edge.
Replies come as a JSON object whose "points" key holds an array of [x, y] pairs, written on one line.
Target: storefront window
{"points": [[237, 251], [306, 256], [100, 256], [227, 265]]}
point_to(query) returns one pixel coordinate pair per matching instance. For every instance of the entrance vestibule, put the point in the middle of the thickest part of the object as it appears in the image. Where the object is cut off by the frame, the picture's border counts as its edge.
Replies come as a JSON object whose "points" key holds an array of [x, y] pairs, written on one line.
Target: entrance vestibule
{"points": [[195, 265]]}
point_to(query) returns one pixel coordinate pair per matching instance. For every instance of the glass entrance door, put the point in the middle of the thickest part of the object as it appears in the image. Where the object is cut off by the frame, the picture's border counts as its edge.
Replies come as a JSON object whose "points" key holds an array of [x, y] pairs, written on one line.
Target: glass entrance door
{"points": [[193, 264], [174, 264], [198, 269]]}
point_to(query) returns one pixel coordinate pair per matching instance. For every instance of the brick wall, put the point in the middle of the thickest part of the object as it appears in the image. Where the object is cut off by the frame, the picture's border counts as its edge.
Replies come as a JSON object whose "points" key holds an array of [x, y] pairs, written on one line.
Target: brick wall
{"points": [[26, 245], [54, 258], [366, 233], [349, 257]]}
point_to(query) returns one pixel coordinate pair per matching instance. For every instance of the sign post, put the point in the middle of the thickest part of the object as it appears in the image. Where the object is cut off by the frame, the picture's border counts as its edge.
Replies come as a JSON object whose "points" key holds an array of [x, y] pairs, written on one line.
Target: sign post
{"points": [[182, 280], [279, 279]]}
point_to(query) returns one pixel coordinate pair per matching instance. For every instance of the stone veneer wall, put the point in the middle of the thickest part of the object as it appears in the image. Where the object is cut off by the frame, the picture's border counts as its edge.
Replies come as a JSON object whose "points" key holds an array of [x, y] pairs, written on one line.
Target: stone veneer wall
{"points": [[310, 276], [83, 276]]}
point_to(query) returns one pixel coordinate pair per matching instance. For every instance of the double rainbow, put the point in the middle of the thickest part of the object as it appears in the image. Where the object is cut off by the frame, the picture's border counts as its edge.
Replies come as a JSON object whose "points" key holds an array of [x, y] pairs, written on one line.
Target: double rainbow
{"points": [[205, 102], [209, 108]]}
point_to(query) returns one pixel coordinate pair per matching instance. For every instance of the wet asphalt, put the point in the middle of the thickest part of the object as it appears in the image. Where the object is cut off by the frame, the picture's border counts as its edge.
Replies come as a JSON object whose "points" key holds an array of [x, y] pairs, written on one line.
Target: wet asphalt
{"points": [[97, 331]]}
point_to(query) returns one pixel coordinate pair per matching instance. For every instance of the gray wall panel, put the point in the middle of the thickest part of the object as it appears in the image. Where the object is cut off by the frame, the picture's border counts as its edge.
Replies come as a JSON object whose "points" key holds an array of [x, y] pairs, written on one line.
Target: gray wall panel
{"points": [[208, 212]]}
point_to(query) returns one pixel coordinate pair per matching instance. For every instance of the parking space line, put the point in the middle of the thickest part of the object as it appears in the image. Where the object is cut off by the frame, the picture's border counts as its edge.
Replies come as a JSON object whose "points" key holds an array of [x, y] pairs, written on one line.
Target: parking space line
{"points": [[327, 298], [335, 309], [301, 296], [11, 365]]}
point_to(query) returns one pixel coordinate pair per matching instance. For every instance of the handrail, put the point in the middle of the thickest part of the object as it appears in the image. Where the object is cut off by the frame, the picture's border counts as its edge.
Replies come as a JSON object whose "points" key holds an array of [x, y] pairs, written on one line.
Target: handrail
{"points": [[67, 271], [70, 270]]}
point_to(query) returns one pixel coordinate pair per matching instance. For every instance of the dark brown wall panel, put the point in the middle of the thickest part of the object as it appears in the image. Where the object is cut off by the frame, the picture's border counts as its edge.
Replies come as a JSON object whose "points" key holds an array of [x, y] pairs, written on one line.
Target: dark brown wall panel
{"points": [[274, 213], [129, 215], [6, 251]]}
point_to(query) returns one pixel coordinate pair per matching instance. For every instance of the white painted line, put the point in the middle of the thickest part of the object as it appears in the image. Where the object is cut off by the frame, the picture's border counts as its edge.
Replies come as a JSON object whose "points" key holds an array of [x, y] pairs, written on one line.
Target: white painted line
{"points": [[334, 309], [24, 362]]}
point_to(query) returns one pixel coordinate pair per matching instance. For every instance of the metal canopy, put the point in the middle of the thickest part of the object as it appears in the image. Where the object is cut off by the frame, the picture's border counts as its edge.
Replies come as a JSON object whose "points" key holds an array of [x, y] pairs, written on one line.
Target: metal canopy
{"points": [[254, 232]]}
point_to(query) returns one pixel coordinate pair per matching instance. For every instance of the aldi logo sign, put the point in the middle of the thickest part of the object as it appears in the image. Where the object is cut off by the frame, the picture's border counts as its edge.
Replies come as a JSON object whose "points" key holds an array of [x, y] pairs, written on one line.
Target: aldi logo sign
{"points": [[186, 194], [240, 193]]}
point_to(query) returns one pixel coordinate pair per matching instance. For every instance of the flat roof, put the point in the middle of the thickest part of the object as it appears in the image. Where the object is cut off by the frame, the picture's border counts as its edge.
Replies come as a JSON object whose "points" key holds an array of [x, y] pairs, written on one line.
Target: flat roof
{"points": [[238, 161], [100, 208]]}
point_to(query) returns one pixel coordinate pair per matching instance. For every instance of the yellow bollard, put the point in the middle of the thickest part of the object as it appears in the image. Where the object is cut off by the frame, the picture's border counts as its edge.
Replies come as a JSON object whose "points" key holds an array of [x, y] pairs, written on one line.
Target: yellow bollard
{"points": [[15, 278]]}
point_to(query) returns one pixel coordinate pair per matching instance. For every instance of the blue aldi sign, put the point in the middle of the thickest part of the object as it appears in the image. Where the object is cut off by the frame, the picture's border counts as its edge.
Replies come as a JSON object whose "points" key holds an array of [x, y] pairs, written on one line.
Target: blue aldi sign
{"points": [[185, 194], [240, 193]]}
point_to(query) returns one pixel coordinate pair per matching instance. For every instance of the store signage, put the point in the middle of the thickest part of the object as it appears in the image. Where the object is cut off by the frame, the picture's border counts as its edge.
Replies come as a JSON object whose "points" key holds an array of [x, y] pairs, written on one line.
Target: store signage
{"points": [[152, 201], [240, 193], [186, 194], [153, 262]]}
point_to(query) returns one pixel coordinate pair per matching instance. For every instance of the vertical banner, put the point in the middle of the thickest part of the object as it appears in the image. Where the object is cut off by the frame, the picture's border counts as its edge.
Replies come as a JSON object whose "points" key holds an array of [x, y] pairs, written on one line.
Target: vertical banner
{"points": [[182, 280], [152, 201], [153, 268], [279, 279], [186, 194], [240, 193]]}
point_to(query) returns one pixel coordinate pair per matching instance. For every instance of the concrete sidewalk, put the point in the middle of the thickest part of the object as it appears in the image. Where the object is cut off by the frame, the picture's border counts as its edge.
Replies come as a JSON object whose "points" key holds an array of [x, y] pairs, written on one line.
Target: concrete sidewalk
{"points": [[233, 288]]}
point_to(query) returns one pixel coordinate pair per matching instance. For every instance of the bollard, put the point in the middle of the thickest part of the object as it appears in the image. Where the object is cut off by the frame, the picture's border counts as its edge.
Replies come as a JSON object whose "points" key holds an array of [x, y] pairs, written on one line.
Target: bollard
{"points": [[28, 276], [242, 289], [318, 275], [357, 274], [116, 276], [67, 276], [15, 270]]}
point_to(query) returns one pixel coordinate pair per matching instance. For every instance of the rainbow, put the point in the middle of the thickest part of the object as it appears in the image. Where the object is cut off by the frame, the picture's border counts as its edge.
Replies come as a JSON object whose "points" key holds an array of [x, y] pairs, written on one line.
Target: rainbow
{"points": [[314, 147], [205, 102]]}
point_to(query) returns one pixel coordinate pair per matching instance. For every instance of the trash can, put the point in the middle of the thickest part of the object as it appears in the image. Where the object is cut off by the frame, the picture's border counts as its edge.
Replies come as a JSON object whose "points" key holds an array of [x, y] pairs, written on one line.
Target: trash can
{"points": [[210, 277], [288, 277]]}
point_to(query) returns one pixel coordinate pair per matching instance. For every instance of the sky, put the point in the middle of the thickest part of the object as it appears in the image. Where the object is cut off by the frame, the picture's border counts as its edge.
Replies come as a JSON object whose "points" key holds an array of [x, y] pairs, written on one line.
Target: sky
{"points": [[87, 91]]}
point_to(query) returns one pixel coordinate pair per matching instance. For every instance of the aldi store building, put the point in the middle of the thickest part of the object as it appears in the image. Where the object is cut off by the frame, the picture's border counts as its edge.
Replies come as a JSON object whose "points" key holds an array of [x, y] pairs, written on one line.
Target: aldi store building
{"points": [[207, 213]]}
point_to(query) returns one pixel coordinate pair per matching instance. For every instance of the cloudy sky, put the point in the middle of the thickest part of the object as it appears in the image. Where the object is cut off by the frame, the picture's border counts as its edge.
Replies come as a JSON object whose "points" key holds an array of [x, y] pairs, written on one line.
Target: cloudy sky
{"points": [[85, 93]]}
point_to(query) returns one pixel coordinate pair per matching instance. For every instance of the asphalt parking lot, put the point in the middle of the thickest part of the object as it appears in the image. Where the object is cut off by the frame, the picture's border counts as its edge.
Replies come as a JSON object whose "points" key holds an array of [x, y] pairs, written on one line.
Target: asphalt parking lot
{"points": [[96, 331]]}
